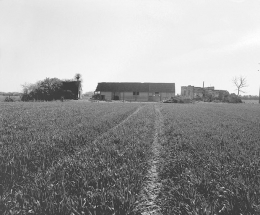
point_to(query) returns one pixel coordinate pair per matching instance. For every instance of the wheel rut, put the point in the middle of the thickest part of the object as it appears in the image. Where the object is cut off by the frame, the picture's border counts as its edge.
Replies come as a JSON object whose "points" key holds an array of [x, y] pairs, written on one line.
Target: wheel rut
{"points": [[147, 204], [94, 142], [118, 125]]}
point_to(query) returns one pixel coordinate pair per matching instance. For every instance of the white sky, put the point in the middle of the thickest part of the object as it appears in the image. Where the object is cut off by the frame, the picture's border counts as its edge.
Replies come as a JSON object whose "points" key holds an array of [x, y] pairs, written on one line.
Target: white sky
{"points": [[181, 41]]}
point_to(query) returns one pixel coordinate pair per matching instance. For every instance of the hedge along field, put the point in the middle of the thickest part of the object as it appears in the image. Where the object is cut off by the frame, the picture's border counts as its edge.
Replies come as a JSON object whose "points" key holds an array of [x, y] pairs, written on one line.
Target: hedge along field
{"points": [[210, 159], [14, 98], [35, 136]]}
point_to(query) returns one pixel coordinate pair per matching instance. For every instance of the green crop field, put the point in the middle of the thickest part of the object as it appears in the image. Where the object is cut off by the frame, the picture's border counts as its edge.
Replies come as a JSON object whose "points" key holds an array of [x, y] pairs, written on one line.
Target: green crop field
{"points": [[211, 159], [251, 101], [129, 158]]}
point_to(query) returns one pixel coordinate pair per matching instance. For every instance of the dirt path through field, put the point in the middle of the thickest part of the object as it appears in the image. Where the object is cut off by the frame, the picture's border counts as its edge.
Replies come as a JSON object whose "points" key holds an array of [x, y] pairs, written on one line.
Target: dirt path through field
{"points": [[147, 205]]}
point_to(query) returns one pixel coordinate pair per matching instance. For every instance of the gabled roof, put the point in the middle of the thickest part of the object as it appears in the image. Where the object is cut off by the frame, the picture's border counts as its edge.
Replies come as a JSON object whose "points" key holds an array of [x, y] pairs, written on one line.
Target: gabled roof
{"points": [[135, 87], [162, 87], [122, 87]]}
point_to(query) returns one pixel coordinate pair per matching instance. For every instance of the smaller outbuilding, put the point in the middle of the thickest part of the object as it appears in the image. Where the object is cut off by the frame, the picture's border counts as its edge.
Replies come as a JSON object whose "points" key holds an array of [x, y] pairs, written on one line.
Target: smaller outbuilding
{"points": [[192, 92], [72, 89], [135, 91]]}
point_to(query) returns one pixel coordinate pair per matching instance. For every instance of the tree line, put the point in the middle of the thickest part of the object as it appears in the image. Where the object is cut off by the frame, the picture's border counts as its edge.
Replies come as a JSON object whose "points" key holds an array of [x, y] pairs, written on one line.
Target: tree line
{"points": [[48, 89]]}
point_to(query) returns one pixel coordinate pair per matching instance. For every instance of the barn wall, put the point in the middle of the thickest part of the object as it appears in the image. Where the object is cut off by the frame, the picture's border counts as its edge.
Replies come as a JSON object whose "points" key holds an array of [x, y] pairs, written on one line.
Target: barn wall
{"points": [[142, 97], [122, 95], [156, 98], [165, 96], [169, 95], [128, 96], [116, 96], [108, 95]]}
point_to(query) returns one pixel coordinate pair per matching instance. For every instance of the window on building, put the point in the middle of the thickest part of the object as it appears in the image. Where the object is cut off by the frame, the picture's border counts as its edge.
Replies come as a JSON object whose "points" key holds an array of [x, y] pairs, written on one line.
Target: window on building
{"points": [[136, 93], [157, 93]]}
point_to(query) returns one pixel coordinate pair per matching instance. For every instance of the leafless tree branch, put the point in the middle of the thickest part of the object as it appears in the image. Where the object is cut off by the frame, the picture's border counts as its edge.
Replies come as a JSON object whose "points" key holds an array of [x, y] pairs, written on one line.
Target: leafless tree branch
{"points": [[240, 82]]}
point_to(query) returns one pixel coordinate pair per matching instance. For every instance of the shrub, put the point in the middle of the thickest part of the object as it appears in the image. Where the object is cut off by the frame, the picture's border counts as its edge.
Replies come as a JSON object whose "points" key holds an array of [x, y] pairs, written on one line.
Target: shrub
{"points": [[178, 99], [25, 97], [8, 99], [233, 98]]}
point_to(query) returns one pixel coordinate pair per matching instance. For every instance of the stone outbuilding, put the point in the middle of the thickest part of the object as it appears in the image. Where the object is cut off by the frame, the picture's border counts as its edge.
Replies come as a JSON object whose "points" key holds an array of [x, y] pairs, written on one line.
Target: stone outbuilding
{"points": [[192, 92]]}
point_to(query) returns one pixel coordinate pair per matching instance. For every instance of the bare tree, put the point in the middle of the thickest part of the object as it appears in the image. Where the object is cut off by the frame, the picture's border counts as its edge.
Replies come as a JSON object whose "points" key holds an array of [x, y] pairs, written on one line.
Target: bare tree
{"points": [[240, 83], [27, 88]]}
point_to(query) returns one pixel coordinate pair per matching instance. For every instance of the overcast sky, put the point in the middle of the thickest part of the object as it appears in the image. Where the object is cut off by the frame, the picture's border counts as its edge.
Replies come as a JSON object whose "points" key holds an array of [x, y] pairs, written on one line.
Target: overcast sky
{"points": [[181, 41]]}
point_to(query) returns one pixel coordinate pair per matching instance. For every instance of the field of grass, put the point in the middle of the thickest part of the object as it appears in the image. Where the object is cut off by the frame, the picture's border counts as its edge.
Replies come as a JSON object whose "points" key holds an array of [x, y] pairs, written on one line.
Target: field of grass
{"points": [[96, 158], [211, 159], [36, 138], [251, 101]]}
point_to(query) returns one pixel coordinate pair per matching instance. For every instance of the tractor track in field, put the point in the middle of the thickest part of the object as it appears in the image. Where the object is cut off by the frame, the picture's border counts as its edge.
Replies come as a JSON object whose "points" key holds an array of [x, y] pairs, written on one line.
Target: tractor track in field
{"points": [[116, 126], [147, 204], [94, 142]]}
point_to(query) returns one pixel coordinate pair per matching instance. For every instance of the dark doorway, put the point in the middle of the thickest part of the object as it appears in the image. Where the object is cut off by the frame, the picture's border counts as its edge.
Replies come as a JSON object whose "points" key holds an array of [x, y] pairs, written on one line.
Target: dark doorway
{"points": [[116, 96]]}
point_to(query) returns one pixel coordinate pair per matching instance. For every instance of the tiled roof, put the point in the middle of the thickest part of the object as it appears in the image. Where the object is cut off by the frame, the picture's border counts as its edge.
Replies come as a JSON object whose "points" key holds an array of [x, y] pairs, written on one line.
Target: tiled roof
{"points": [[162, 87], [135, 87]]}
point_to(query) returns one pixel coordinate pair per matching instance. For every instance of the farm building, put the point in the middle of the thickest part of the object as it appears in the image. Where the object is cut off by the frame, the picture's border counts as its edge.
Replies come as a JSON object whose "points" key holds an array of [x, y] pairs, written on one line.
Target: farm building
{"points": [[130, 91], [72, 89], [192, 92]]}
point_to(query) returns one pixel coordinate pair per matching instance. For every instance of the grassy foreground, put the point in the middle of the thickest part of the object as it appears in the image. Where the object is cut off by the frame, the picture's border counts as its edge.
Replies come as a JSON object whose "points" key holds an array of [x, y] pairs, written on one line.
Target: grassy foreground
{"points": [[92, 158], [211, 159], [54, 161]]}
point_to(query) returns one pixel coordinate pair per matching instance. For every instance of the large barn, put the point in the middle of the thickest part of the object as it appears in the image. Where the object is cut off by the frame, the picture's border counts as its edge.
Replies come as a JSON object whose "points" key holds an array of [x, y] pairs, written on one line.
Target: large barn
{"points": [[132, 91]]}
